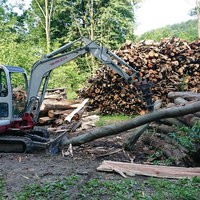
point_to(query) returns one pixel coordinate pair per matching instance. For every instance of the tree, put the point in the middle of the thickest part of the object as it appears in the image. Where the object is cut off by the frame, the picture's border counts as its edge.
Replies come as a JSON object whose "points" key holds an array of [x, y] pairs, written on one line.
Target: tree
{"points": [[196, 12], [111, 21], [41, 11], [185, 30], [48, 24], [198, 16], [132, 123], [15, 48]]}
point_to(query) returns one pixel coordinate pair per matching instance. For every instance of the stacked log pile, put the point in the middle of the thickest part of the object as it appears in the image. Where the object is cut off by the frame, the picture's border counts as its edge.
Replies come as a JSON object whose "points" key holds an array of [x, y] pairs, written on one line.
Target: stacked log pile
{"points": [[172, 65], [55, 111], [64, 115], [56, 93]]}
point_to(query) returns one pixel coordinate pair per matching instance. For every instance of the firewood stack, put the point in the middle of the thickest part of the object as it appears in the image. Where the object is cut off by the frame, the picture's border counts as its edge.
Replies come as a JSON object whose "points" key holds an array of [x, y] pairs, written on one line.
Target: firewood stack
{"points": [[64, 115], [55, 111], [171, 65]]}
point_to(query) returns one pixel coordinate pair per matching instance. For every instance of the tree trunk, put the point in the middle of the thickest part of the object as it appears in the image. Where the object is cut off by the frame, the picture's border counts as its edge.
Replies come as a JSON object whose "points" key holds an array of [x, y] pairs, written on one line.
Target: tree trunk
{"points": [[47, 26], [47, 16], [133, 123], [91, 10], [198, 15]]}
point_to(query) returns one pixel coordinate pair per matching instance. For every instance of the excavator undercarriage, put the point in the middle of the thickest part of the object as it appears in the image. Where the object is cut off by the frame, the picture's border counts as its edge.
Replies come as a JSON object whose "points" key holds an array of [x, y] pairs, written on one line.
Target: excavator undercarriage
{"points": [[12, 142]]}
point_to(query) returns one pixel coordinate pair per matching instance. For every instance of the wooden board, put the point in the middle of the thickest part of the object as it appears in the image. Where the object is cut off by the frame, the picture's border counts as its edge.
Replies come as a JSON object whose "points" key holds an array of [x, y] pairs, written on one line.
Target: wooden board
{"points": [[132, 169]]}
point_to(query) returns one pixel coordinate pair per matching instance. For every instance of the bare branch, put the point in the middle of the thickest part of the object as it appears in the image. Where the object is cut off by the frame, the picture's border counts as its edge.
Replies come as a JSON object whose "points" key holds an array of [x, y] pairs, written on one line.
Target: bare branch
{"points": [[39, 19], [40, 8], [51, 10]]}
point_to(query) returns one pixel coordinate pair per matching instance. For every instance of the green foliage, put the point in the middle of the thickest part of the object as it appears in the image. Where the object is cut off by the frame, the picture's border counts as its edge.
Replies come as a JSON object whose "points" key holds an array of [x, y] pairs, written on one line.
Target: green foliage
{"points": [[158, 161], [151, 189], [50, 190], [35, 21], [121, 189], [169, 189], [188, 137], [185, 30], [23, 37], [2, 186], [70, 76], [111, 21]]}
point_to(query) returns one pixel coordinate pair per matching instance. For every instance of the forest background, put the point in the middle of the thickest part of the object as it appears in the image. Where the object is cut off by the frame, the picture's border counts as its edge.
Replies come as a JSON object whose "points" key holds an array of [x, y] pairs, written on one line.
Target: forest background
{"points": [[48, 24]]}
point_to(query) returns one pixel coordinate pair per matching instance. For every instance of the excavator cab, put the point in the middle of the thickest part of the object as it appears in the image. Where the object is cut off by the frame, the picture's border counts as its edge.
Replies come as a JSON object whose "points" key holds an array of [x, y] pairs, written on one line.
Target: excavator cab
{"points": [[12, 80]]}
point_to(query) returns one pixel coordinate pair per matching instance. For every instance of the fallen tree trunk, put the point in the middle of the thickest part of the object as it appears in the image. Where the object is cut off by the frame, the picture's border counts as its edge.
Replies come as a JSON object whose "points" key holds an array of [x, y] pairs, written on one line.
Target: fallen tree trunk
{"points": [[191, 95], [130, 142], [172, 121], [133, 123]]}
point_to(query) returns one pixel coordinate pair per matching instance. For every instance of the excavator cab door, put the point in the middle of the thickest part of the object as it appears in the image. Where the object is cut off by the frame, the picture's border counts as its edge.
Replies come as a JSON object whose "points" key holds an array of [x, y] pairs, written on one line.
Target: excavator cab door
{"points": [[12, 80]]}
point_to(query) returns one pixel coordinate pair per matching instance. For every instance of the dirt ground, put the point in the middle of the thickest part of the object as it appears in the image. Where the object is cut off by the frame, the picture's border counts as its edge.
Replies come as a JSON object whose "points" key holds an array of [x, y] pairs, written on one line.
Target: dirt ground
{"points": [[21, 169]]}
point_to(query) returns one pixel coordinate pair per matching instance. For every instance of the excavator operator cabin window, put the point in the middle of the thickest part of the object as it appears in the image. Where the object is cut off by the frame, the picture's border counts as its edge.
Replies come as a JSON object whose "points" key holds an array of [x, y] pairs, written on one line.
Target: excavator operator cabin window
{"points": [[3, 84], [18, 84]]}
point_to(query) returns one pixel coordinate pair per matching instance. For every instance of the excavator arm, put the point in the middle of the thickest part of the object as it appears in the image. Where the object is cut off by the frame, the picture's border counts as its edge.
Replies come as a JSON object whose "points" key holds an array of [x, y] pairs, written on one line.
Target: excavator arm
{"points": [[41, 69]]}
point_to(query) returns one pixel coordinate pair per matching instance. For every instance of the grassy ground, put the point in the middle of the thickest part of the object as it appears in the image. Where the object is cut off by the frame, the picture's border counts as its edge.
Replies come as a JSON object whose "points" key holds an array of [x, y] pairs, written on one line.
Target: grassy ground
{"points": [[107, 119], [71, 188]]}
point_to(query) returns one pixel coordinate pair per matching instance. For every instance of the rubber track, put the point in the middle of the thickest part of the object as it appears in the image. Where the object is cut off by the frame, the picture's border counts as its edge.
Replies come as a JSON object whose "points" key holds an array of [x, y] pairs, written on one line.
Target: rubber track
{"points": [[15, 144]]}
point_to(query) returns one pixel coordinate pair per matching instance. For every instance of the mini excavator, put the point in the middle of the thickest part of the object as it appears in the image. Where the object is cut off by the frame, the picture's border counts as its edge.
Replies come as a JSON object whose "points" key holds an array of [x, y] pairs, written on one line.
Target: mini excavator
{"points": [[17, 121]]}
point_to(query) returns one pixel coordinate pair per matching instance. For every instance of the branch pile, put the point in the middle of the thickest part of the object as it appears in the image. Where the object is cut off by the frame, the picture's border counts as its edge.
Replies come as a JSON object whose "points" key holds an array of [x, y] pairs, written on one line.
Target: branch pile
{"points": [[172, 65]]}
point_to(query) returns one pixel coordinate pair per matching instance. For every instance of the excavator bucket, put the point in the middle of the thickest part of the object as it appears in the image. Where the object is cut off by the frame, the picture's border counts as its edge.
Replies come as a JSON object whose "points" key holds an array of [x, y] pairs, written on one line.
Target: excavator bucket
{"points": [[54, 144], [51, 146]]}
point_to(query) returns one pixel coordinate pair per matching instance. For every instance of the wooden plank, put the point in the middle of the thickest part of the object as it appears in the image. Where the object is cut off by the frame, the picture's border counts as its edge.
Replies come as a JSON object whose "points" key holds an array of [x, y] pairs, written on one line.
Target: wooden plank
{"points": [[132, 169], [71, 115]]}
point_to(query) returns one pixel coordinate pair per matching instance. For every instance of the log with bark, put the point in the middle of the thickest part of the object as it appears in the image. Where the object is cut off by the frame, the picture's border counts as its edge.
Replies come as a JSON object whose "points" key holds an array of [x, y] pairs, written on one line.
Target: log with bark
{"points": [[133, 123]]}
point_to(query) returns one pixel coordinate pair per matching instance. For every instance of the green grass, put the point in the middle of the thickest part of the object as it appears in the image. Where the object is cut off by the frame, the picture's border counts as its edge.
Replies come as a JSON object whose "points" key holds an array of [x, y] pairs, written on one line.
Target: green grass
{"points": [[174, 189], [111, 119], [58, 189], [2, 186], [72, 187]]}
